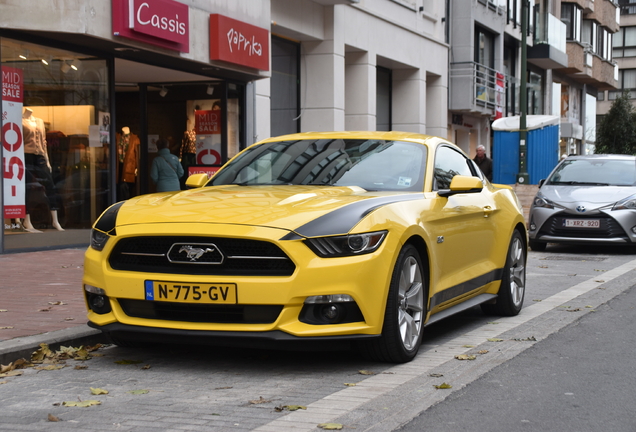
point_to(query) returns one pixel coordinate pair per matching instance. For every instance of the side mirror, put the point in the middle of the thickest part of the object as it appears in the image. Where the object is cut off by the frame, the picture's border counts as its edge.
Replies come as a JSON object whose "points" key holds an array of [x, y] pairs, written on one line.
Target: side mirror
{"points": [[197, 180], [541, 182], [462, 184]]}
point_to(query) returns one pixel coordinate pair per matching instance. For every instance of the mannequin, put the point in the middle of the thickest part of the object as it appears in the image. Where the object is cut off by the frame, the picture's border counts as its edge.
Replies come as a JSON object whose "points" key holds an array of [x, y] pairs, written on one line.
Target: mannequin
{"points": [[188, 152], [37, 164], [128, 162]]}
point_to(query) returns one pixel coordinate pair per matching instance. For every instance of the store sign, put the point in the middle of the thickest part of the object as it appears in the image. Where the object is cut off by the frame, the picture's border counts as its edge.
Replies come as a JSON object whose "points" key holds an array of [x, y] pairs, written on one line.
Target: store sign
{"points": [[13, 168], [207, 125], [164, 23], [238, 42]]}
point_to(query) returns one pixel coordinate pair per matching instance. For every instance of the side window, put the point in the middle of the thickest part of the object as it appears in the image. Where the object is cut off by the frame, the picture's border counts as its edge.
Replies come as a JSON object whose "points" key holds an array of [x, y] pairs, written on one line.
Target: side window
{"points": [[449, 163]]}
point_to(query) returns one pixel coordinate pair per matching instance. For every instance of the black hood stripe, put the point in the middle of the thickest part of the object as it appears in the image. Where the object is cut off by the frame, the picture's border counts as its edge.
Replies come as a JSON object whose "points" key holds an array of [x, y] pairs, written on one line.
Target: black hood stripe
{"points": [[342, 220]]}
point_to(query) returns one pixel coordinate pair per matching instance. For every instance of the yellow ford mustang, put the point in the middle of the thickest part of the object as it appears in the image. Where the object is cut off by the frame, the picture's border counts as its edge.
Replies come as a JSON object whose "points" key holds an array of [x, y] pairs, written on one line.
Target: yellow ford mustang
{"points": [[364, 237]]}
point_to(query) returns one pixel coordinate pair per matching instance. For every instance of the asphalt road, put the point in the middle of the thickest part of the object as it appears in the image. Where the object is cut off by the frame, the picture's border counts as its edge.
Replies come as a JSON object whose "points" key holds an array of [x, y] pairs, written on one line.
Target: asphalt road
{"points": [[563, 364], [582, 378]]}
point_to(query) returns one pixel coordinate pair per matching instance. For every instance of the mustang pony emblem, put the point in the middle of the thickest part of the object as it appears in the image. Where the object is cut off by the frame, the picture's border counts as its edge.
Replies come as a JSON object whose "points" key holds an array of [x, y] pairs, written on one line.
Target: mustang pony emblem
{"points": [[194, 253]]}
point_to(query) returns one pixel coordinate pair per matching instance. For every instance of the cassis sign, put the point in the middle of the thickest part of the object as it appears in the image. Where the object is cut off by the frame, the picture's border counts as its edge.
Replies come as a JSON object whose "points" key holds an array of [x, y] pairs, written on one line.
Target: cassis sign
{"points": [[164, 23]]}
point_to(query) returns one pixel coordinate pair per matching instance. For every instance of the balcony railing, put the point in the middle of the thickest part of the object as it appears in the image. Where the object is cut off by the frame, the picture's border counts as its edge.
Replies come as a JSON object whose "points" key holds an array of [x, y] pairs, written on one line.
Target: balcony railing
{"points": [[552, 31], [474, 85]]}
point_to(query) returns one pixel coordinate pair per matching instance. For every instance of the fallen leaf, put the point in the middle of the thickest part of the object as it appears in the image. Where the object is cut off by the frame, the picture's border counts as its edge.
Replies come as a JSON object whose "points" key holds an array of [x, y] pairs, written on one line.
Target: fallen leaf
{"points": [[45, 309], [98, 391], [138, 392], [11, 373], [493, 322], [599, 270], [443, 386], [465, 357], [573, 310], [294, 407], [3, 382], [537, 300], [350, 384], [468, 346], [222, 388], [260, 400], [4, 310], [128, 362], [330, 426], [146, 367], [483, 352], [82, 404], [50, 367], [52, 418], [494, 340], [6, 327], [80, 367], [436, 375], [543, 266], [68, 319], [599, 281], [530, 339], [57, 303], [589, 307], [366, 372]]}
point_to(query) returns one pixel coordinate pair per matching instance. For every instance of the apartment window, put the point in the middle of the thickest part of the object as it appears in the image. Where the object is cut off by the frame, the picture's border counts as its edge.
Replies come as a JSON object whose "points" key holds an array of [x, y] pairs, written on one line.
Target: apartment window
{"points": [[571, 15], [625, 42], [628, 7], [626, 81], [589, 34], [383, 80], [603, 43]]}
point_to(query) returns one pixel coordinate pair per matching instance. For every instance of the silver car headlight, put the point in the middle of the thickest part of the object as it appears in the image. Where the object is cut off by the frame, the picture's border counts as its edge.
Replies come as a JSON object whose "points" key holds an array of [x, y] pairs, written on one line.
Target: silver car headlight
{"points": [[628, 203], [541, 201]]}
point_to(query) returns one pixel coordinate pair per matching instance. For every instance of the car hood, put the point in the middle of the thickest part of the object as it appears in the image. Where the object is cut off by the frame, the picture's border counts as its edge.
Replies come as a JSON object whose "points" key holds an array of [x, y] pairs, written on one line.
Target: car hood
{"points": [[294, 208], [591, 195]]}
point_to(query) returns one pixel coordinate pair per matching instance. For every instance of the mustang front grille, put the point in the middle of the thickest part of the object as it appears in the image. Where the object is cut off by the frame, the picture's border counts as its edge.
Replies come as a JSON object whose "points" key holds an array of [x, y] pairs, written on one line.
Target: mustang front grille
{"points": [[201, 313], [609, 228], [200, 256]]}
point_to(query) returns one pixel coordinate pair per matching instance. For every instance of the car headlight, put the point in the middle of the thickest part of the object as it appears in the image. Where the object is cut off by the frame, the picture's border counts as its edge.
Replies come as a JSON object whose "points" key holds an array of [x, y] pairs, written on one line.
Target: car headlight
{"points": [[628, 203], [541, 201], [104, 228], [346, 245]]}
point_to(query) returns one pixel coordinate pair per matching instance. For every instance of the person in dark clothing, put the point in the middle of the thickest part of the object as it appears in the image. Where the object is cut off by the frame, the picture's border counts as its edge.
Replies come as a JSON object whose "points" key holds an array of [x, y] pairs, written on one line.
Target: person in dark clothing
{"points": [[484, 162]]}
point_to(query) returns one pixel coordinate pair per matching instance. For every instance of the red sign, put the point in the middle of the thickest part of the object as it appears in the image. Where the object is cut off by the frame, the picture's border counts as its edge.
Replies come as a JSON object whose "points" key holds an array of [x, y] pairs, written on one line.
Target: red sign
{"points": [[163, 23], [238, 42], [210, 171], [207, 122]]}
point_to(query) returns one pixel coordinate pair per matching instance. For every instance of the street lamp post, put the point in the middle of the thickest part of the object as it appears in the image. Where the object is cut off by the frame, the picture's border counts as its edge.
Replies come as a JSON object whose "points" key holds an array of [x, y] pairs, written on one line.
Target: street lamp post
{"points": [[523, 177]]}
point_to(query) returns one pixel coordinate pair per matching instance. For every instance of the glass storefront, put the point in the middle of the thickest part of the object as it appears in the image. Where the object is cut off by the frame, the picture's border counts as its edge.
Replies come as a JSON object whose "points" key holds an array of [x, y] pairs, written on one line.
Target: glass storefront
{"points": [[60, 185]]}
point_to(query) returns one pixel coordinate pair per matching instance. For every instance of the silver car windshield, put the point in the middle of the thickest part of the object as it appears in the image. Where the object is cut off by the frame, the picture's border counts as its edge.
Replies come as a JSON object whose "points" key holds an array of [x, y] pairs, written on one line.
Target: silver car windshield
{"points": [[369, 164], [595, 172]]}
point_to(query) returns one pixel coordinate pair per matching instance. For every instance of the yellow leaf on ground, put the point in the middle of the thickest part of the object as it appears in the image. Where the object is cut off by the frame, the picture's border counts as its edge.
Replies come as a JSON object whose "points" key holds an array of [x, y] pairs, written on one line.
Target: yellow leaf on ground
{"points": [[11, 373], [260, 400], [98, 391], [443, 386], [50, 367], [52, 418], [81, 404], [366, 372], [495, 340], [330, 426], [138, 392], [294, 407], [465, 357], [350, 384]]}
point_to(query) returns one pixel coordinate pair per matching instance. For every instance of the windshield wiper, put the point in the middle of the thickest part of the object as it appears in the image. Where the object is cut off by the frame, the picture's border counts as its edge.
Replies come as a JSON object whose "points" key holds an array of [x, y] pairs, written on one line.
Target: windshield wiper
{"points": [[579, 183]]}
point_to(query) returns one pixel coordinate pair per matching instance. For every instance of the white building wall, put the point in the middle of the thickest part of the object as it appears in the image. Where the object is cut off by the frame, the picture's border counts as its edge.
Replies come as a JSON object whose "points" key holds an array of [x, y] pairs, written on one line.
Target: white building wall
{"points": [[341, 46]]}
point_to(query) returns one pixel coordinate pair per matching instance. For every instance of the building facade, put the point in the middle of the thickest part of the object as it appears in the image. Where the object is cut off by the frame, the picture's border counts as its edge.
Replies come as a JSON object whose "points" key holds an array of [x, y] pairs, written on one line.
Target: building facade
{"points": [[89, 87]]}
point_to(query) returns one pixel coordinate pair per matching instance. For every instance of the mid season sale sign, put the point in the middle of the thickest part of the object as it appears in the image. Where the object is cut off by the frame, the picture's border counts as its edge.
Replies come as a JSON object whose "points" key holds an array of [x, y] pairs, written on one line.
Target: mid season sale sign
{"points": [[13, 169]]}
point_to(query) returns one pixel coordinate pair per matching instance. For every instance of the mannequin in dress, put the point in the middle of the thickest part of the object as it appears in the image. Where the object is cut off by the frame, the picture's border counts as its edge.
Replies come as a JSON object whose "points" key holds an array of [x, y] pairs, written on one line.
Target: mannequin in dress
{"points": [[127, 162], [37, 163]]}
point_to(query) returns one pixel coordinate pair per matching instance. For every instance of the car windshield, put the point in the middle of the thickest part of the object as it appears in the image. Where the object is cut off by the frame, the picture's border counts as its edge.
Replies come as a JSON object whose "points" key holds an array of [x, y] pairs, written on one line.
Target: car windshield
{"points": [[595, 172], [371, 164]]}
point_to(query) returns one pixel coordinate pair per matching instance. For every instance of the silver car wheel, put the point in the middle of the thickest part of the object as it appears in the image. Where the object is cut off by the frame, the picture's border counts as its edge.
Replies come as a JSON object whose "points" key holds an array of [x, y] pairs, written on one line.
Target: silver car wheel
{"points": [[517, 269], [410, 303]]}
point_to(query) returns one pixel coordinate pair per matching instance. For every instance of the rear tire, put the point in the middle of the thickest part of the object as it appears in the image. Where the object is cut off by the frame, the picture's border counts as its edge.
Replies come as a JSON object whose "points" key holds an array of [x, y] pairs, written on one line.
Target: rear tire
{"points": [[404, 315], [513, 282]]}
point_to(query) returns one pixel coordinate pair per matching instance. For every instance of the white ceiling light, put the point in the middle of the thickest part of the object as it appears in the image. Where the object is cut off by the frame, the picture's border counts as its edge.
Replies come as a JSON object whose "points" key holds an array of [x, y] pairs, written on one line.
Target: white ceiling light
{"points": [[210, 89], [163, 92]]}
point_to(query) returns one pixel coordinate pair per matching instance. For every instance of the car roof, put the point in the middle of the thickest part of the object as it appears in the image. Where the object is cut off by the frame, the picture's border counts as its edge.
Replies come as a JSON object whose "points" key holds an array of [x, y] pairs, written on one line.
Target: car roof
{"points": [[603, 156], [391, 135]]}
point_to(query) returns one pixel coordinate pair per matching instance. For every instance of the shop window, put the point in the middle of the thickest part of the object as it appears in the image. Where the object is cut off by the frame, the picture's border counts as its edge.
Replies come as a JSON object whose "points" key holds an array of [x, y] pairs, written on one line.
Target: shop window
{"points": [[64, 120]]}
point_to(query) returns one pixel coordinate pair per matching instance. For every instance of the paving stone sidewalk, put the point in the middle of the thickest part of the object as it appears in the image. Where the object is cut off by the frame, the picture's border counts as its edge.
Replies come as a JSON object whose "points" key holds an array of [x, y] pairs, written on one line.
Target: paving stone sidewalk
{"points": [[40, 299]]}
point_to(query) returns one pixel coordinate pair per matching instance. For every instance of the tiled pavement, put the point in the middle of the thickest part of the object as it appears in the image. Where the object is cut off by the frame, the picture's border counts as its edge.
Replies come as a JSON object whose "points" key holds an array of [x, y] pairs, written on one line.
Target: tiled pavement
{"points": [[40, 293]]}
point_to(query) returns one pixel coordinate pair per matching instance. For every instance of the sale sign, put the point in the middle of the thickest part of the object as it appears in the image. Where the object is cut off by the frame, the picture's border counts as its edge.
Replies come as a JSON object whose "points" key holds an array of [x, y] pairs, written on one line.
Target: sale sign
{"points": [[13, 169], [207, 125]]}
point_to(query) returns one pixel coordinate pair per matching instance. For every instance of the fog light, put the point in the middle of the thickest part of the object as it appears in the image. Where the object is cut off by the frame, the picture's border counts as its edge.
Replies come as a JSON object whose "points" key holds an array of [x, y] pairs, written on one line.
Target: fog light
{"points": [[97, 300], [331, 313], [533, 227], [634, 229]]}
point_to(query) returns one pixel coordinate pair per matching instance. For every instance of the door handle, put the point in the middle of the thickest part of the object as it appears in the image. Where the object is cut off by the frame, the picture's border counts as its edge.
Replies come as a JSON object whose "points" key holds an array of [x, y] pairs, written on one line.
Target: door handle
{"points": [[487, 211]]}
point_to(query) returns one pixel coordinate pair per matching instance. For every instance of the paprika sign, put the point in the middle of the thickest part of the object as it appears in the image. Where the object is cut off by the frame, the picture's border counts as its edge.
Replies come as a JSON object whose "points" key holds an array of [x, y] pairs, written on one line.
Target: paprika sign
{"points": [[12, 143], [237, 42]]}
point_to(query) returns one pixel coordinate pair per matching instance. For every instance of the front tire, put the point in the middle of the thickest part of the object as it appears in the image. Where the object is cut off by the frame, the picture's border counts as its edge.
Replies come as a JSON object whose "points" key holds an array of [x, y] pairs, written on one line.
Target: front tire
{"points": [[404, 315], [513, 282]]}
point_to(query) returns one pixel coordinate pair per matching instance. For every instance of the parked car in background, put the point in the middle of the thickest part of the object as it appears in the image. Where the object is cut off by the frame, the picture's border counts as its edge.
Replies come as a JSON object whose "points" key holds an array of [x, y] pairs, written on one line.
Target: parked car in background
{"points": [[587, 199], [362, 237]]}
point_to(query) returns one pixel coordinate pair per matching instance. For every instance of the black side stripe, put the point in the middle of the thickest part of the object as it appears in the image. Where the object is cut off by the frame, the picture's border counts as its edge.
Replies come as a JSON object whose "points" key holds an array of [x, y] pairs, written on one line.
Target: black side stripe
{"points": [[342, 220], [466, 287]]}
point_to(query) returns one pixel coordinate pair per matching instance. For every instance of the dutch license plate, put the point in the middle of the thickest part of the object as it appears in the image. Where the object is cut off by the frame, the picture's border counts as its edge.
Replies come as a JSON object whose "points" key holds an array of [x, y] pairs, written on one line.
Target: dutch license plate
{"points": [[582, 223], [191, 293]]}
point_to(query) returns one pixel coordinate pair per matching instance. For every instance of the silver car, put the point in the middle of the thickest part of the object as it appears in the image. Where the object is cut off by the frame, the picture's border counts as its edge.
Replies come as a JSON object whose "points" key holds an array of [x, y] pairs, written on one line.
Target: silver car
{"points": [[586, 200]]}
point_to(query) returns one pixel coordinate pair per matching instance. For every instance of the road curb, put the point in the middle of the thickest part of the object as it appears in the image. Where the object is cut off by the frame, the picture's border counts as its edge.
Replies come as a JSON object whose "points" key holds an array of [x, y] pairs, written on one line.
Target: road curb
{"points": [[13, 349]]}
